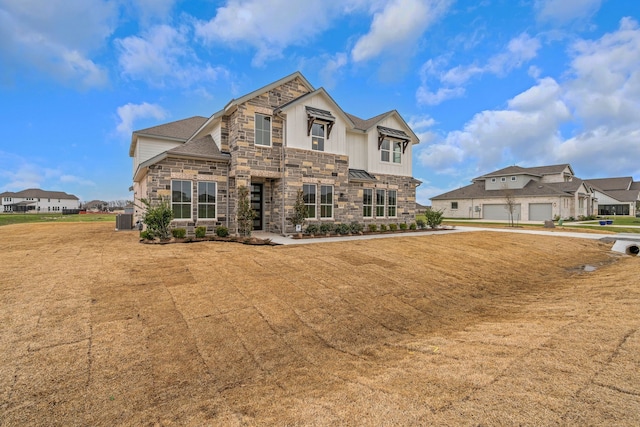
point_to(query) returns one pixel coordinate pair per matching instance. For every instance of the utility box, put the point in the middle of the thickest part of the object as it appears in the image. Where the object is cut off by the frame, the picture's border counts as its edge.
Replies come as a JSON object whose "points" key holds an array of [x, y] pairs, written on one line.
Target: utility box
{"points": [[124, 222]]}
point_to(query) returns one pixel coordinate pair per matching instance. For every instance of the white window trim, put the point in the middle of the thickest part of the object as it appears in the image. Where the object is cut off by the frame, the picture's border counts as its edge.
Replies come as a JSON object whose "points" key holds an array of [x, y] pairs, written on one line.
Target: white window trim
{"points": [[320, 204], [324, 138], [388, 205], [270, 130], [215, 204], [315, 202], [392, 144], [457, 206], [493, 179], [513, 178], [190, 203], [371, 205], [383, 205], [503, 179]]}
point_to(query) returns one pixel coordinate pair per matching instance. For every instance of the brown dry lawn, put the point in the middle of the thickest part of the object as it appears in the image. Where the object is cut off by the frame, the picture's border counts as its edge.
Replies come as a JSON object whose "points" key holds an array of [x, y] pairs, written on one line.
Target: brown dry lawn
{"points": [[473, 328]]}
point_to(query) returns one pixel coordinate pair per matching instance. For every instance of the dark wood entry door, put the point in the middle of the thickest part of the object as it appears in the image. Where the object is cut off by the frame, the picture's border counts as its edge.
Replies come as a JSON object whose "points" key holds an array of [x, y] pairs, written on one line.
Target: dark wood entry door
{"points": [[256, 205]]}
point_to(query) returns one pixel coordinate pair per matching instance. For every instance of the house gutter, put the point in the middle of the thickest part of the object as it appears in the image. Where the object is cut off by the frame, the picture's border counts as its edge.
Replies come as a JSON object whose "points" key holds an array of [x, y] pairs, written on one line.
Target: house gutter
{"points": [[284, 157], [227, 216]]}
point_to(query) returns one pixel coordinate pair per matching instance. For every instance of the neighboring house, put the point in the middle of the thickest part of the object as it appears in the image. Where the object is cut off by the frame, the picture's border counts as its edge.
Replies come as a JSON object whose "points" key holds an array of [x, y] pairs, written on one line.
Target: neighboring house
{"points": [[96, 206], [282, 138], [536, 194], [35, 200], [616, 196]]}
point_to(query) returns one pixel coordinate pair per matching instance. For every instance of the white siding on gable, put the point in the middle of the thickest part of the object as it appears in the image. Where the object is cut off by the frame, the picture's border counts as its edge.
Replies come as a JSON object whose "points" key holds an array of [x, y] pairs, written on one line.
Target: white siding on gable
{"points": [[297, 127], [148, 148], [216, 134], [357, 150], [376, 165]]}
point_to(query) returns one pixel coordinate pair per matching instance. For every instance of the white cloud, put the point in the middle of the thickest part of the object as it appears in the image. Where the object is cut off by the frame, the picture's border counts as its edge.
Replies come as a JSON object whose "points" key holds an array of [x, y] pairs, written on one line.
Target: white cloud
{"points": [[161, 56], [565, 11], [518, 51], [398, 26], [332, 67], [129, 113], [56, 37], [252, 23], [153, 10]]}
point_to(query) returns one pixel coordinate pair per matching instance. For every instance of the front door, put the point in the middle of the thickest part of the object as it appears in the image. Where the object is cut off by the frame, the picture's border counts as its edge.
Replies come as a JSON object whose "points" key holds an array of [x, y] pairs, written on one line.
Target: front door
{"points": [[256, 205]]}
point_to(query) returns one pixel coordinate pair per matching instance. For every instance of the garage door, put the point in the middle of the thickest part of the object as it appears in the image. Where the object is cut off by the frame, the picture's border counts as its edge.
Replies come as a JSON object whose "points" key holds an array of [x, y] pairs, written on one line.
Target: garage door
{"points": [[500, 212], [540, 211]]}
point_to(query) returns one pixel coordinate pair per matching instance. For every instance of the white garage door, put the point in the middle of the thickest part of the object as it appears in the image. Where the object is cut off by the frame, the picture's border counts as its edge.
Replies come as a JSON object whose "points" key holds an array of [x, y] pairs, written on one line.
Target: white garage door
{"points": [[540, 211], [500, 212]]}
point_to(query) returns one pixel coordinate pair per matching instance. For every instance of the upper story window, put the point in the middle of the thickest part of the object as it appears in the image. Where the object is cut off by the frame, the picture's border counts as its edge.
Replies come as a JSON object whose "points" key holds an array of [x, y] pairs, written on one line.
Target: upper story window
{"points": [[263, 130], [503, 179], [391, 151], [513, 178], [318, 136], [493, 180]]}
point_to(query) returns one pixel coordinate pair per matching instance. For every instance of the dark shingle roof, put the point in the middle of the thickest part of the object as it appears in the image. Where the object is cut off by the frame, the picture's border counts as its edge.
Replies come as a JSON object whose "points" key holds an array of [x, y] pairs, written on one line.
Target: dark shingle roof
{"points": [[533, 188], [624, 195], [607, 184], [180, 129], [535, 171], [362, 124], [202, 147], [36, 192]]}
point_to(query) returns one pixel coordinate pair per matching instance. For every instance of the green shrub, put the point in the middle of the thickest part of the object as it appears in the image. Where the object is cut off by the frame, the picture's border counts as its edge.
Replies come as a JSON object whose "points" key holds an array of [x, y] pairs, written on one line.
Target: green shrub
{"points": [[403, 226], [201, 231], [342, 228], [221, 231], [412, 226], [356, 227], [393, 227], [312, 229], [326, 228], [146, 235], [245, 214], [434, 217], [383, 227], [179, 233], [157, 217], [373, 228], [421, 223]]}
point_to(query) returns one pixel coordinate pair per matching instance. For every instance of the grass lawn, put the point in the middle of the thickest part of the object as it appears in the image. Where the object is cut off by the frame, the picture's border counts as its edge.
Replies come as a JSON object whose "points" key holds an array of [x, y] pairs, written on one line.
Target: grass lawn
{"points": [[15, 218]]}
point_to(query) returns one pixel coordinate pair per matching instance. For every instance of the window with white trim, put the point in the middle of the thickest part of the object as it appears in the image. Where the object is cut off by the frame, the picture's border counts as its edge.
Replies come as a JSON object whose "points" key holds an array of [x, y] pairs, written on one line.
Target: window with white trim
{"points": [[503, 179], [397, 152], [367, 203], [309, 196], [181, 199], [454, 205], [513, 178], [391, 151], [262, 130], [326, 201], [317, 136], [206, 200], [493, 180], [392, 203], [380, 203]]}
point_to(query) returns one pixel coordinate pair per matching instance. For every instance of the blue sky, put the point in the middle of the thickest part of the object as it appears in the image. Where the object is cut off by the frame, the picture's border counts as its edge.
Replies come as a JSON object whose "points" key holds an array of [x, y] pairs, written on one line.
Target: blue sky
{"points": [[484, 83]]}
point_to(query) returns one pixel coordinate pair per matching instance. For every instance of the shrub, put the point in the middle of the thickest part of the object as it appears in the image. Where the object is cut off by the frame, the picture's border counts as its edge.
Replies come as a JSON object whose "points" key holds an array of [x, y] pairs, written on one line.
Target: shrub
{"points": [[421, 224], [326, 228], [221, 231], [403, 226], [146, 235], [356, 227], [373, 228], [383, 227], [393, 227], [179, 233], [157, 217], [434, 217], [312, 229], [412, 226], [299, 209], [342, 229], [201, 231], [245, 214]]}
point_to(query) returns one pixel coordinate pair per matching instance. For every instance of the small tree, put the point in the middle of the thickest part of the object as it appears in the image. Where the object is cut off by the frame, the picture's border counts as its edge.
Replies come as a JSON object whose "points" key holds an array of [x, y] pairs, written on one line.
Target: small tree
{"points": [[299, 210], [245, 214], [434, 218], [510, 204], [157, 217]]}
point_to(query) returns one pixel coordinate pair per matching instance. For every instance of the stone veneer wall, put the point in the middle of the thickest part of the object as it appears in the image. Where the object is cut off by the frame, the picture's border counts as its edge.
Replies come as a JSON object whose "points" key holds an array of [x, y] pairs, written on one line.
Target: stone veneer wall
{"points": [[159, 186]]}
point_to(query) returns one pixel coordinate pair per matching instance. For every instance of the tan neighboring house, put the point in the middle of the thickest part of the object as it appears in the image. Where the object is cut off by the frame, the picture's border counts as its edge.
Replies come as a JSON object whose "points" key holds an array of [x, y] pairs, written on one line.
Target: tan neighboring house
{"points": [[616, 196], [279, 139], [536, 194], [35, 200]]}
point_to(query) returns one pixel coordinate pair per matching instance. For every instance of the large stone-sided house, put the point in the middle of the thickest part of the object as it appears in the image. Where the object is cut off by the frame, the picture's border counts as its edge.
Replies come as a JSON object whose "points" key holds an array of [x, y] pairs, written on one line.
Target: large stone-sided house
{"points": [[35, 200], [282, 138], [536, 194]]}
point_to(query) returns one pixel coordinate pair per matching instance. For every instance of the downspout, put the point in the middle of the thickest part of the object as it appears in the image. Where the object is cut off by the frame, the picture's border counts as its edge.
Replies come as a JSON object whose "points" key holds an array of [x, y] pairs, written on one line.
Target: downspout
{"points": [[228, 172], [284, 158]]}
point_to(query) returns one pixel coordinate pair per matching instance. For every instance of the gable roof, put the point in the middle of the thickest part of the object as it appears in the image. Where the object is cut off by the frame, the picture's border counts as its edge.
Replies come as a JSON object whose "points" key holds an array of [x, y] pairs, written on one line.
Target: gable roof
{"points": [[366, 125], [321, 92], [235, 102], [180, 130], [38, 193], [607, 184], [477, 190], [204, 147], [535, 171]]}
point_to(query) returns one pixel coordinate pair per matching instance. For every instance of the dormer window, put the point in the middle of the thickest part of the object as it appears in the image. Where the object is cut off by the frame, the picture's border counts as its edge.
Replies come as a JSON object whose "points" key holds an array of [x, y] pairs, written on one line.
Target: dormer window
{"points": [[318, 116], [317, 136], [391, 151]]}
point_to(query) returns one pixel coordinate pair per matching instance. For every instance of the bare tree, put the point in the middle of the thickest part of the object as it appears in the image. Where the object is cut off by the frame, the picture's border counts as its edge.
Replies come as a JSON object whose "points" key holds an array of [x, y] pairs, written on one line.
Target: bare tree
{"points": [[510, 204]]}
